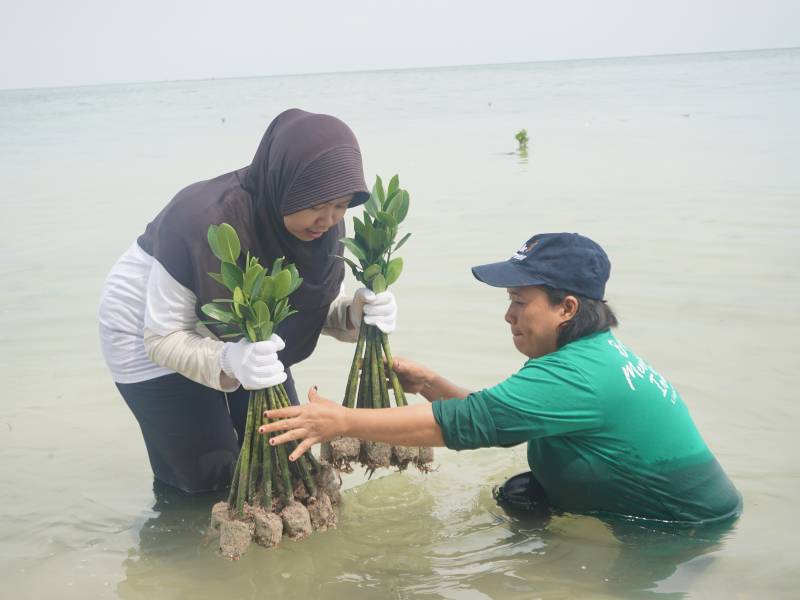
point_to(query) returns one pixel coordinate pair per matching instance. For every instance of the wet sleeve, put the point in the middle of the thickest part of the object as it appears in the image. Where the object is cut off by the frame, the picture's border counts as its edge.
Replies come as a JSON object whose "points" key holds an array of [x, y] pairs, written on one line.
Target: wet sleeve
{"points": [[540, 400]]}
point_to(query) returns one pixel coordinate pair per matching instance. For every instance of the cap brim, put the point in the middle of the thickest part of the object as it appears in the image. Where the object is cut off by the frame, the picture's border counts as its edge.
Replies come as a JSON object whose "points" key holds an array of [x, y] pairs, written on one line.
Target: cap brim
{"points": [[504, 274]]}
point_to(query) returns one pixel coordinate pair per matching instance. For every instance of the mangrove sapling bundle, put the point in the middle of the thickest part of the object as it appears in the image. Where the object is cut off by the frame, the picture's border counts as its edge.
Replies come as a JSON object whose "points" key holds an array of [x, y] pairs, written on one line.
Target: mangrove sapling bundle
{"points": [[373, 245], [269, 495]]}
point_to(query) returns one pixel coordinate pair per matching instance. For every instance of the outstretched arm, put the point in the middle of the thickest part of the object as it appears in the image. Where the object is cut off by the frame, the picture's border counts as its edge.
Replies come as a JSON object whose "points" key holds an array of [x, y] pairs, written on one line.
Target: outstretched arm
{"points": [[322, 420], [419, 379]]}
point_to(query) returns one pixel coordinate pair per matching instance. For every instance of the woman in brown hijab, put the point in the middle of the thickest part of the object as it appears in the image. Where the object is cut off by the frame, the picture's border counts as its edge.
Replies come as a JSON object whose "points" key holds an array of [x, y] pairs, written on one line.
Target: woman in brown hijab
{"points": [[187, 388]]}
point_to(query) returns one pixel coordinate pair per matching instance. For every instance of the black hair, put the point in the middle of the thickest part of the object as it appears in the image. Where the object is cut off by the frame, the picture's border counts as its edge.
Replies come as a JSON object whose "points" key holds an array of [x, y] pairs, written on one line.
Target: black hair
{"points": [[592, 316]]}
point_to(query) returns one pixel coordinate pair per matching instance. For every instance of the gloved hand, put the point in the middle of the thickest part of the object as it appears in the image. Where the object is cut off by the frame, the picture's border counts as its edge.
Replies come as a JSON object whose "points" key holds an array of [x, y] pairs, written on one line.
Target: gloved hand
{"points": [[254, 364], [375, 309]]}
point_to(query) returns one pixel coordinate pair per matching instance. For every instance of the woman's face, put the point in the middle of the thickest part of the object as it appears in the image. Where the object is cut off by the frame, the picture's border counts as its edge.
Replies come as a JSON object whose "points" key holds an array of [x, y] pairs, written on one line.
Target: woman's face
{"points": [[534, 321], [311, 223]]}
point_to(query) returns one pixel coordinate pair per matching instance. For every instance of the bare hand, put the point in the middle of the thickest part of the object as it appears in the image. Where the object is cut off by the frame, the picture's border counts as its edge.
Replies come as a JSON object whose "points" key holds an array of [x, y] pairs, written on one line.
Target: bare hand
{"points": [[413, 376], [318, 421]]}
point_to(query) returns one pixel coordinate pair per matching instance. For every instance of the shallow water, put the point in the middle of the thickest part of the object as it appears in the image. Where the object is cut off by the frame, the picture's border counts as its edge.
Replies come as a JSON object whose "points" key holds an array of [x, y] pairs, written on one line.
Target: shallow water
{"points": [[683, 167]]}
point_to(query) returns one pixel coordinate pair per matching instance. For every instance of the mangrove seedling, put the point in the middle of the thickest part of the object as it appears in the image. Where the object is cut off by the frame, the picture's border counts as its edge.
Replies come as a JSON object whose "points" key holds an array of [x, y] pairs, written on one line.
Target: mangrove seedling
{"points": [[269, 495], [522, 140], [376, 266]]}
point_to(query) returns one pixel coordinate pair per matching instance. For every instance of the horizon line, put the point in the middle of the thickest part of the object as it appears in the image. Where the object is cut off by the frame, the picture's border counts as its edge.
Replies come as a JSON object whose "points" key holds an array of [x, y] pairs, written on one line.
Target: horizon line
{"points": [[383, 70]]}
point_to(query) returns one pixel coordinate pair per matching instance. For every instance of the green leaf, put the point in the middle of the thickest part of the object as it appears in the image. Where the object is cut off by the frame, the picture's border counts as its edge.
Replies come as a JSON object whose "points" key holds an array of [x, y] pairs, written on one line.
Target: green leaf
{"points": [[377, 189], [371, 272], [266, 330], [238, 300], [403, 210], [253, 273], [398, 207], [353, 266], [248, 313], [355, 248], [223, 329], [255, 292], [387, 220], [401, 242], [393, 270], [375, 201], [378, 284], [261, 311], [358, 226], [296, 279], [218, 313], [283, 282], [212, 241], [232, 276], [372, 240], [394, 185], [277, 266], [267, 288], [251, 333], [218, 278], [228, 244], [371, 206]]}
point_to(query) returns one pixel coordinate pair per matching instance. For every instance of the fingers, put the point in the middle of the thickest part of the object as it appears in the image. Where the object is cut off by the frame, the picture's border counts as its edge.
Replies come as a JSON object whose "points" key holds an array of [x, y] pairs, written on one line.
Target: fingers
{"points": [[278, 341], [364, 294], [255, 382], [284, 413], [385, 324], [294, 434], [313, 396], [262, 349], [302, 448], [381, 299]]}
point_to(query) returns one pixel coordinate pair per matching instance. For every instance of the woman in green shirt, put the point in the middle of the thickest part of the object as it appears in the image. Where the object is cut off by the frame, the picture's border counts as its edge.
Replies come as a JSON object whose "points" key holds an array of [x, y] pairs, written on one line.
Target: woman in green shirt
{"points": [[606, 432]]}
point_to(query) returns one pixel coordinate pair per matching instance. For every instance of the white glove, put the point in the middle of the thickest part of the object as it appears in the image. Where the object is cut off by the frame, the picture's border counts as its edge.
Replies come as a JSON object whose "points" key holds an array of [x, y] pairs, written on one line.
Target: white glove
{"points": [[376, 309], [254, 364]]}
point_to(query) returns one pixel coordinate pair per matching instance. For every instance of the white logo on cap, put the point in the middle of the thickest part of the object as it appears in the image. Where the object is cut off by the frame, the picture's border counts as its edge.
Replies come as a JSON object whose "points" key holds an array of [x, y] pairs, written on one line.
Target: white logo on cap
{"points": [[524, 250]]}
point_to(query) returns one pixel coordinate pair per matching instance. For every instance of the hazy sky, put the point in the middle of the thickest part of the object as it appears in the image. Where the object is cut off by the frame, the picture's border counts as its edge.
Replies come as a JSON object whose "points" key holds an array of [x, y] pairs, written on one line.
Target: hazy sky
{"points": [[74, 42]]}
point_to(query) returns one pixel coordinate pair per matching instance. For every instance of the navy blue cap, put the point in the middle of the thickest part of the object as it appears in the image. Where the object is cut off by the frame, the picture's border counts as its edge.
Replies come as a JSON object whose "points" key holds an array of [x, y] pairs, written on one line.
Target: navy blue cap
{"points": [[564, 261]]}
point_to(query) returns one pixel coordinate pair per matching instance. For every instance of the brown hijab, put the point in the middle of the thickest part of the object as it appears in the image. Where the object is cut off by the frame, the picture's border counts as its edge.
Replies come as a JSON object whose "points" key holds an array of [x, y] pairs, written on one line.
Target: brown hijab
{"points": [[304, 159]]}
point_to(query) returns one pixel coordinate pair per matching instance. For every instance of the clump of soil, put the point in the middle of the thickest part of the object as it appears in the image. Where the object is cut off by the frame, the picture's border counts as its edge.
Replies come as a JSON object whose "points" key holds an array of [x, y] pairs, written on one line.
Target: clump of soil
{"points": [[296, 521], [234, 538], [376, 455], [424, 460], [402, 456], [329, 482], [269, 528], [320, 509], [341, 452]]}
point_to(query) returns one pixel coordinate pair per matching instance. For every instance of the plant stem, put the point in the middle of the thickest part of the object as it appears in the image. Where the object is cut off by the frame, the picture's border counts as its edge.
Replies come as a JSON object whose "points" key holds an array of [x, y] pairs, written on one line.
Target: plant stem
{"points": [[244, 455], [381, 371], [352, 379], [255, 446], [399, 394], [283, 462], [266, 472], [373, 360]]}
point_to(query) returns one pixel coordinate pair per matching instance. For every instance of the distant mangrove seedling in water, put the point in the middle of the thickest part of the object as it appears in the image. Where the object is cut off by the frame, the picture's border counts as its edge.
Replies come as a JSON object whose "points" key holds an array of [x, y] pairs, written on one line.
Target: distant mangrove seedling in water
{"points": [[522, 140]]}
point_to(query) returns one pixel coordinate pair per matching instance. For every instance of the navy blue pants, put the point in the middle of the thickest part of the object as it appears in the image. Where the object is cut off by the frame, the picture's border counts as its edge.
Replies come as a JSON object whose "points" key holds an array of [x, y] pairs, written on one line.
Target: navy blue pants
{"points": [[192, 432]]}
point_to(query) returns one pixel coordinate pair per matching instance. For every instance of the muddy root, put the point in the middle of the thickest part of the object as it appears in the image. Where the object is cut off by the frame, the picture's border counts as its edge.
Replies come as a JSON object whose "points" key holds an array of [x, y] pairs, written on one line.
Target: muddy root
{"points": [[296, 521]]}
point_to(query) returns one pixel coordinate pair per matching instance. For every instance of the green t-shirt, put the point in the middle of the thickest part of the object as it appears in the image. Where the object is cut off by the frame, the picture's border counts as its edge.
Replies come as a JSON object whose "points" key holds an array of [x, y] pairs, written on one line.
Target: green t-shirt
{"points": [[605, 433]]}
